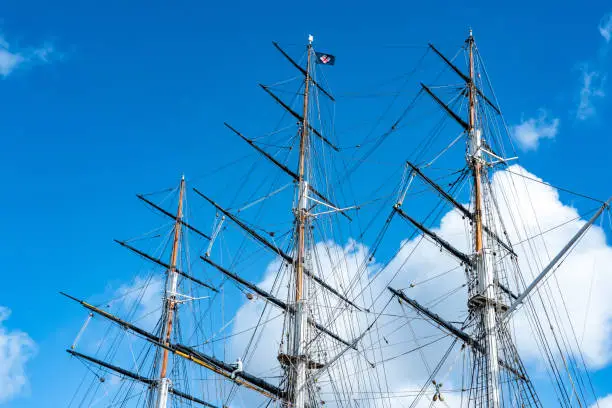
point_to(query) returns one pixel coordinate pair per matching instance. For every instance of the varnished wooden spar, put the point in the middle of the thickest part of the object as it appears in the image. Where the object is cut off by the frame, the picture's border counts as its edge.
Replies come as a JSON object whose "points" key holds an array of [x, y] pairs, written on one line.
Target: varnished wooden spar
{"points": [[465, 78], [134, 376], [443, 243], [220, 367], [302, 70], [276, 249], [284, 168], [298, 117], [173, 216], [275, 301], [476, 165], [165, 265], [448, 110]]}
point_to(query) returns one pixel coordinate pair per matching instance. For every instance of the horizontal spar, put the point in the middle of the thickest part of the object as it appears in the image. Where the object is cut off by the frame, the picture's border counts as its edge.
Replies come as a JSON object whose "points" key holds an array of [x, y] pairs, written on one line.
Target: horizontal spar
{"points": [[444, 106], [302, 70], [298, 117], [173, 216], [220, 367], [275, 301], [451, 249], [165, 265], [465, 78], [276, 249], [460, 334], [284, 168], [137, 377], [460, 207]]}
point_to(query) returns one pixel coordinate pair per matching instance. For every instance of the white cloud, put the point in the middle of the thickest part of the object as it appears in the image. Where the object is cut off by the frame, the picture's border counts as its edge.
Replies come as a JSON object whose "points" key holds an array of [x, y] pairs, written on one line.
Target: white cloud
{"points": [[605, 402], [529, 132], [605, 27], [16, 349], [582, 276], [12, 59], [593, 74], [143, 298], [592, 83]]}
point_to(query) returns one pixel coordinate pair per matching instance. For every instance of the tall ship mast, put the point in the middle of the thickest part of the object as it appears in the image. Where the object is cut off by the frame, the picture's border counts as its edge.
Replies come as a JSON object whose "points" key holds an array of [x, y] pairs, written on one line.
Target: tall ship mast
{"points": [[343, 316]]}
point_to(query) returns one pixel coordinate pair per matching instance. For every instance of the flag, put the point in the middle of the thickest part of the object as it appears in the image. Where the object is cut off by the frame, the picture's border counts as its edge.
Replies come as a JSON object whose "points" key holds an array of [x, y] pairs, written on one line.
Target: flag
{"points": [[325, 59]]}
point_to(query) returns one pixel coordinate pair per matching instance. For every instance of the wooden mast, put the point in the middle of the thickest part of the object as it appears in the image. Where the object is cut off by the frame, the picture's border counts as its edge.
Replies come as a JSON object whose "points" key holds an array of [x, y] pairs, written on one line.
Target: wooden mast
{"points": [[301, 216], [298, 380], [170, 301], [477, 165], [484, 258]]}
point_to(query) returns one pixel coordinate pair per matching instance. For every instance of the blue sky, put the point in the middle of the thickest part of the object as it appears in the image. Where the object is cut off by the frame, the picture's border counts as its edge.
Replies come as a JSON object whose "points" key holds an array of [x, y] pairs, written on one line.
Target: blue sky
{"points": [[102, 100]]}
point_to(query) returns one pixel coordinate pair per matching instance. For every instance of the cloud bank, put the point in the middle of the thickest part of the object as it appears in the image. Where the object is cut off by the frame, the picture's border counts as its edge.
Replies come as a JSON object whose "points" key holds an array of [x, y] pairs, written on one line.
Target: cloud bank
{"points": [[16, 349], [531, 131], [14, 58]]}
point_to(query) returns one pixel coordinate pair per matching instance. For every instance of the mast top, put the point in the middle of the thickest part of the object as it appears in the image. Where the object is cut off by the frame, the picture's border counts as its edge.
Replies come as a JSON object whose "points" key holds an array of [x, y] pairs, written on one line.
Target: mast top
{"points": [[310, 39]]}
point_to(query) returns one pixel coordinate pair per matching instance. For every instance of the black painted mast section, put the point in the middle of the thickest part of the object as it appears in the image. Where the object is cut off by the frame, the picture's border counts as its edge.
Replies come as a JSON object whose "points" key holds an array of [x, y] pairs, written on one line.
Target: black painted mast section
{"points": [[465, 78], [283, 167], [274, 300], [299, 117], [302, 70], [451, 249], [466, 338], [137, 377], [459, 206], [448, 110], [173, 216], [165, 265], [204, 360], [275, 249]]}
